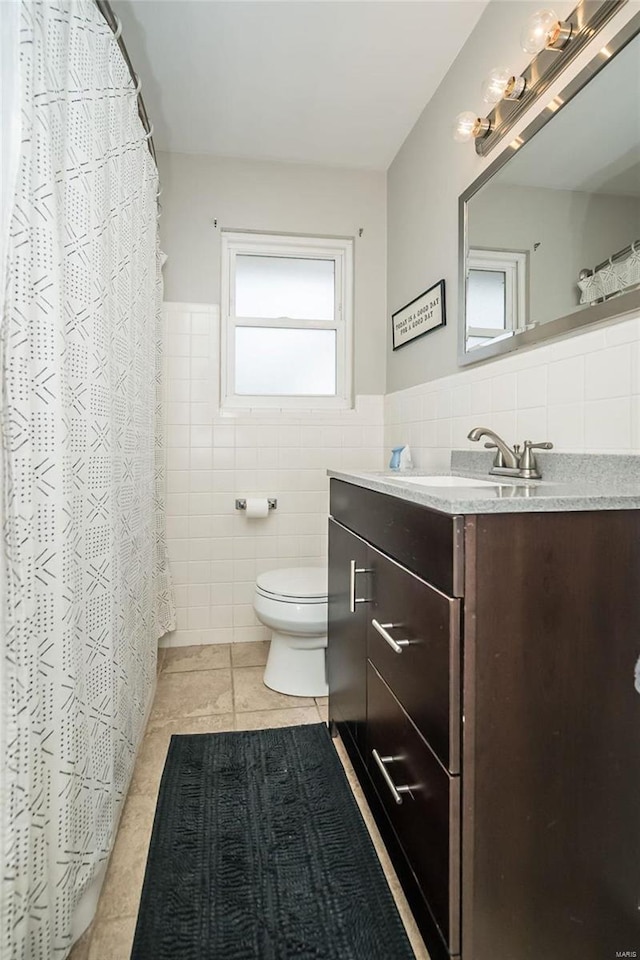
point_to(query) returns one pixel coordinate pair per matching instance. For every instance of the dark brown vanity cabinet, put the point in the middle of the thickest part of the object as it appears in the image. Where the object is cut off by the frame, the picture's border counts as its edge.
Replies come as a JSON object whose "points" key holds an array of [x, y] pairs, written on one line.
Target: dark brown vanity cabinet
{"points": [[487, 688], [346, 664]]}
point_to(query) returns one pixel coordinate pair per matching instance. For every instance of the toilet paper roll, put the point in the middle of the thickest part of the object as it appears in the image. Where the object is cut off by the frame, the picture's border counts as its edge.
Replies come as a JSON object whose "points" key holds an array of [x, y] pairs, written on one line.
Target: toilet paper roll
{"points": [[257, 507]]}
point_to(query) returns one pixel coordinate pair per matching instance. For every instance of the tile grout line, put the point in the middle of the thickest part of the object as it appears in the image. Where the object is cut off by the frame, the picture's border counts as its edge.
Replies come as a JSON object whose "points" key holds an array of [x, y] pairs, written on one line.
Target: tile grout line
{"points": [[233, 691]]}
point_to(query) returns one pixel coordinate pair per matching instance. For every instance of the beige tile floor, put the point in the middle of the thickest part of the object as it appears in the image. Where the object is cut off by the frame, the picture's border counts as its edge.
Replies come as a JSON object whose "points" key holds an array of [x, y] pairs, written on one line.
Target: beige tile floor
{"points": [[201, 690]]}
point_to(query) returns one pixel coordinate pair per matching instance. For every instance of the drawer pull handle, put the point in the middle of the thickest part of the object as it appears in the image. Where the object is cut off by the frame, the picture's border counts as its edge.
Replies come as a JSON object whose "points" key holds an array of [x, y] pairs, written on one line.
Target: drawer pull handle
{"points": [[382, 629], [353, 570], [395, 791]]}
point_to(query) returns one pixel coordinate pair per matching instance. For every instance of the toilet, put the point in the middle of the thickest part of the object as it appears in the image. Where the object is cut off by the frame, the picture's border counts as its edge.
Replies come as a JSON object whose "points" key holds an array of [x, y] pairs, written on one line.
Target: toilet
{"points": [[293, 604]]}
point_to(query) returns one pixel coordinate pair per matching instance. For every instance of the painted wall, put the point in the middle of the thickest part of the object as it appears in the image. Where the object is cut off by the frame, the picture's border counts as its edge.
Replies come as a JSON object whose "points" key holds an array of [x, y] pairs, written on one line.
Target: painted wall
{"points": [[280, 198], [431, 170]]}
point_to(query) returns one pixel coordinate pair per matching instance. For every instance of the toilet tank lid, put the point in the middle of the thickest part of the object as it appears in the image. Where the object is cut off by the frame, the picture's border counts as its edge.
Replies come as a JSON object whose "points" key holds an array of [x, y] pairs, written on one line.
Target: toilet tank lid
{"points": [[295, 582]]}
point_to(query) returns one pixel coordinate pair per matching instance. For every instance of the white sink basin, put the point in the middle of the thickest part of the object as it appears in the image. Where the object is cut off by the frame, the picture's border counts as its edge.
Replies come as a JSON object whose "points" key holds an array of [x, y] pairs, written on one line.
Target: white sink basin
{"points": [[447, 481]]}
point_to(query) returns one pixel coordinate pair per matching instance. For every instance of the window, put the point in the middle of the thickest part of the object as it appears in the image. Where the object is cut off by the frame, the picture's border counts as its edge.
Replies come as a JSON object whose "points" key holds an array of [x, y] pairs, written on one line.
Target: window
{"points": [[286, 321], [496, 295]]}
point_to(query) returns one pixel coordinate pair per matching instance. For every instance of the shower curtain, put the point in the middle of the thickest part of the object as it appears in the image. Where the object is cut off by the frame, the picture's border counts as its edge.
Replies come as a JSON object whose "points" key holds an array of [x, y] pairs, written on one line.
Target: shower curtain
{"points": [[86, 589], [615, 277]]}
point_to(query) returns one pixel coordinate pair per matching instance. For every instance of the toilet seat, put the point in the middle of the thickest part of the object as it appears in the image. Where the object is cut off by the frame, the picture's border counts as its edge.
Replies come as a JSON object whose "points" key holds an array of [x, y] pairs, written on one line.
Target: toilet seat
{"points": [[301, 585]]}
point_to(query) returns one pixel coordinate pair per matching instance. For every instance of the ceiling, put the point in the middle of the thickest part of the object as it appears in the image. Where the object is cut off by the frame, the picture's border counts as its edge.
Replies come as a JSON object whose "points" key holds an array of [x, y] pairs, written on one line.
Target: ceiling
{"points": [[313, 81]]}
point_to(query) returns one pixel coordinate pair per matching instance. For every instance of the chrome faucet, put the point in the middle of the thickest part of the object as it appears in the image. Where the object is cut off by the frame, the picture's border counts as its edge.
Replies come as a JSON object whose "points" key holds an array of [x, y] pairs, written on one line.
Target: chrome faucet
{"points": [[510, 462]]}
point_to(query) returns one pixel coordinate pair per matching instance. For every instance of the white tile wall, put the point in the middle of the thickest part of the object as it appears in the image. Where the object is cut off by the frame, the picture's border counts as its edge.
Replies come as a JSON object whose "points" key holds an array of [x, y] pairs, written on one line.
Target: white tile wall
{"points": [[582, 393], [215, 552]]}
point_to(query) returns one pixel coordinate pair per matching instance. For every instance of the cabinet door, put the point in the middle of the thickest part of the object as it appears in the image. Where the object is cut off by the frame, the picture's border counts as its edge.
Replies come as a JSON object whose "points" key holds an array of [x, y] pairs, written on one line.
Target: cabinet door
{"points": [[347, 646]]}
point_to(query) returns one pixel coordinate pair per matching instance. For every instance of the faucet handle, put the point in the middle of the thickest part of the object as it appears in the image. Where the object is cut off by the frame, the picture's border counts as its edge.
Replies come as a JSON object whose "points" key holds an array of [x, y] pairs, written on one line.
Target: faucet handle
{"points": [[498, 460], [528, 460], [543, 445]]}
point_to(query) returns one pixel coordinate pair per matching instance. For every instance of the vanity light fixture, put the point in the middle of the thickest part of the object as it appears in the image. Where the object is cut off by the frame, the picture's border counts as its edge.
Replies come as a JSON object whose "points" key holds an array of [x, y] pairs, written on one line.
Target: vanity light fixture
{"points": [[544, 30], [555, 44], [469, 126], [502, 84]]}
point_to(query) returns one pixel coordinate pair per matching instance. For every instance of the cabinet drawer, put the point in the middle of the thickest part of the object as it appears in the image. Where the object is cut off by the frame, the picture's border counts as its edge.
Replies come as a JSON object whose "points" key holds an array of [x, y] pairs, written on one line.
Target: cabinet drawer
{"points": [[425, 541], [414, 643], [427, 820]]}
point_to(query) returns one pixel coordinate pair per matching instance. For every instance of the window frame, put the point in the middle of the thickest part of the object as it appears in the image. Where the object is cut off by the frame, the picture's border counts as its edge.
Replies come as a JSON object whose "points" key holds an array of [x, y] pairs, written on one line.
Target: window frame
{"points": [[513, 263], [338, 249]]}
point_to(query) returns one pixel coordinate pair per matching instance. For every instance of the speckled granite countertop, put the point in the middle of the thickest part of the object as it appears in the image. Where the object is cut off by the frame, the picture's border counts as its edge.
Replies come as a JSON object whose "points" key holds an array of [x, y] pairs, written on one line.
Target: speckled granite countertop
{"points": [[569, 482]]}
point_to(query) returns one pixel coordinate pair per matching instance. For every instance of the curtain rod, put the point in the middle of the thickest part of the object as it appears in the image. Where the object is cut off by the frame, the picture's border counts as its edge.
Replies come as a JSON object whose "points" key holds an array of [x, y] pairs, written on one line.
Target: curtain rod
{"points": [[620, 255], [114, 23]]}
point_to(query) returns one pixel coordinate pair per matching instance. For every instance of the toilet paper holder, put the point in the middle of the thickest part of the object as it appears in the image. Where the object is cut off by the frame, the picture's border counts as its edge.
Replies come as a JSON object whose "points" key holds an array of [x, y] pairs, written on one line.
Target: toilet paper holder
{"points": [[272, 501]]}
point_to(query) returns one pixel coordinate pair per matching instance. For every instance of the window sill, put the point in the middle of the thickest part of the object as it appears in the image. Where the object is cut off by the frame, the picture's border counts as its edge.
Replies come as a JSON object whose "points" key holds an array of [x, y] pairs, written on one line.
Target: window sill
{"points": [[334, 404]]}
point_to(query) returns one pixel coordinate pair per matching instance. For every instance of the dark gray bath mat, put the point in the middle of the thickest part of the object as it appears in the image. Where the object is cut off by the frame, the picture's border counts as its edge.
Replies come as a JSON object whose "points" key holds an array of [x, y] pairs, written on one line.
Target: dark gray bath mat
{"points": [[259, 852]]}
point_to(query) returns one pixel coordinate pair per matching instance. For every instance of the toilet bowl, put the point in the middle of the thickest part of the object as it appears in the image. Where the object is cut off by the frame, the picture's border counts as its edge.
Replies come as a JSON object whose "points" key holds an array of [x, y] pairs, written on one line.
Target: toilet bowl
{"points": [[293, 604]]}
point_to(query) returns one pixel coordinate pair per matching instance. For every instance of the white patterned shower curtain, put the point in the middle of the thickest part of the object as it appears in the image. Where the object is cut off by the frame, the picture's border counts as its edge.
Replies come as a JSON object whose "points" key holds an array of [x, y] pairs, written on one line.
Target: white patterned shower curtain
{"points": [[86, 590]]}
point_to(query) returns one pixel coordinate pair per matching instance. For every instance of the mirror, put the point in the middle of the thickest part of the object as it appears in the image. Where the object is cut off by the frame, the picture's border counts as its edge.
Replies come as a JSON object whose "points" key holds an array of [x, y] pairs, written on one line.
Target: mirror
{"points": [[550, 233]]}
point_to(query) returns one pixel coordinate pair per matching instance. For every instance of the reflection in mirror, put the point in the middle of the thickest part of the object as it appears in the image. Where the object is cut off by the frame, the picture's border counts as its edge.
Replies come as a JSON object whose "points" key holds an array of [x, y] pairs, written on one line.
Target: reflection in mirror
{"points": [[496, 294], [557, 228]]}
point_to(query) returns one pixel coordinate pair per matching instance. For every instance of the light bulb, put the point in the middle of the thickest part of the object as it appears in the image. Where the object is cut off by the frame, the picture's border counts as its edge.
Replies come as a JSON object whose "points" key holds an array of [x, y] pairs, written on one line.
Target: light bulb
{"points": [[495, 85], [539, 30], [465, 125], [470, 126]]}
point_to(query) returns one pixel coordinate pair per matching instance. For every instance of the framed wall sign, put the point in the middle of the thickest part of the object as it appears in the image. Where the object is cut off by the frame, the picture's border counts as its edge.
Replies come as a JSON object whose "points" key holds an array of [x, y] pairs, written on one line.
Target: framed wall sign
{"points": [[424, 314]]}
